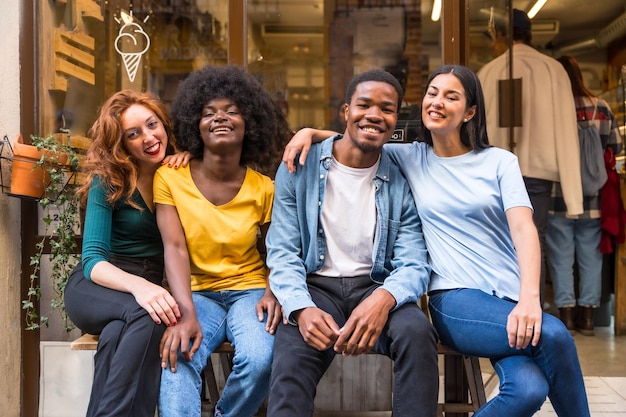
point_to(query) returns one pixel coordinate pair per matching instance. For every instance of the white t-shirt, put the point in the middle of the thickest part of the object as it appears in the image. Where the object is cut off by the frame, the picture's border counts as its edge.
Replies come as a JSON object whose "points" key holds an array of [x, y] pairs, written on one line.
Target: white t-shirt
{"points": [[462, 203], [349, 220]]}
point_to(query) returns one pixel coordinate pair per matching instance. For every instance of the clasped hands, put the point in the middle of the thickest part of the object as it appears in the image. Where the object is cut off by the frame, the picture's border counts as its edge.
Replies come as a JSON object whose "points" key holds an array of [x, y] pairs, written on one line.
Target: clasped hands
{"points": [[357, 336]]}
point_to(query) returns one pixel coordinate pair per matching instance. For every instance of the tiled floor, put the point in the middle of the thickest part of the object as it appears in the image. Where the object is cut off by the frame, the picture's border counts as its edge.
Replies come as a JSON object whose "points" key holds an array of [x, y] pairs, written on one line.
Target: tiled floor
{"points": [[607, 397]]}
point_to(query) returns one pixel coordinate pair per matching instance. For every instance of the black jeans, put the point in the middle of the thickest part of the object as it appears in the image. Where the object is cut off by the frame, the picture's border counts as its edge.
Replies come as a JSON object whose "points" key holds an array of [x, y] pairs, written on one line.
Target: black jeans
{"points": [[408, 339], [127, 367]]}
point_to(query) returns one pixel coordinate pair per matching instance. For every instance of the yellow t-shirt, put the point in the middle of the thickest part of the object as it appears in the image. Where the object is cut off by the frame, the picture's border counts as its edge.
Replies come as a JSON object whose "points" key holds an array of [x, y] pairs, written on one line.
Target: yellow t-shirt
{"points": [[221, 240]]}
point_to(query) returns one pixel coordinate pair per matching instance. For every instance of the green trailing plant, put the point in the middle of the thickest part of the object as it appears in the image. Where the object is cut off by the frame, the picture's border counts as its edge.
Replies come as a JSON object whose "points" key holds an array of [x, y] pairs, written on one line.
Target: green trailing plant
{"points": [[61, 217]]}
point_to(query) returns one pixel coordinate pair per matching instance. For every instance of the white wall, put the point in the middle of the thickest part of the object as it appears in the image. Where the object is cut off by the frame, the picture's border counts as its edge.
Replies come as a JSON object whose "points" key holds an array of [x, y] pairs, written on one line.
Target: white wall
{"points": [[10, 243]]}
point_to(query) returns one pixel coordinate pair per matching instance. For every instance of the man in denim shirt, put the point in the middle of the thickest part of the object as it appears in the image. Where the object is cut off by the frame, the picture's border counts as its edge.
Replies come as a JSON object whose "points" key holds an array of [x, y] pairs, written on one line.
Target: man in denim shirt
{"points": [[348, 261]]}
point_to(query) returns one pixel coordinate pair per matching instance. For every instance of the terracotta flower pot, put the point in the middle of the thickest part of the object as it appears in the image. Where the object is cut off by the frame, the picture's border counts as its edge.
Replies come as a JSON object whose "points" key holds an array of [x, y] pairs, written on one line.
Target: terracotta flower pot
{"points": [[27, 178]]}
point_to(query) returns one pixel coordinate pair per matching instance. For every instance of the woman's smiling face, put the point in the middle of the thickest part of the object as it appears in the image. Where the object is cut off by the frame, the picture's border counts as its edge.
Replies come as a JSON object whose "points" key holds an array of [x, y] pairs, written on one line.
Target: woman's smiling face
{"points": [[444, 106], [144, 135], [221, 122]]}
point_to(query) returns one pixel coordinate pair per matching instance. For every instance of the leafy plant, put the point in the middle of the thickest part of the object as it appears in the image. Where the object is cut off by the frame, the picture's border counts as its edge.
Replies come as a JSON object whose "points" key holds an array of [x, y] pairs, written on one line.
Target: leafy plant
{"points": [[61, 217]]}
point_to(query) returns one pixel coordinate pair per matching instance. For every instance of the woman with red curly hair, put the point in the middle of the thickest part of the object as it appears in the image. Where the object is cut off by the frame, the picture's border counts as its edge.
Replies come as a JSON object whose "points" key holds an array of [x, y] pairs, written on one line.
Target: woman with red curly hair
{"points": [[116, 291]]}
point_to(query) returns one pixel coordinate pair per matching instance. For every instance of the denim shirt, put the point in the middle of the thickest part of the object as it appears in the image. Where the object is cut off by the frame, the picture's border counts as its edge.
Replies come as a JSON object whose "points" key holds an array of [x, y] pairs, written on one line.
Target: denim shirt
{"points": [[296, 243]]}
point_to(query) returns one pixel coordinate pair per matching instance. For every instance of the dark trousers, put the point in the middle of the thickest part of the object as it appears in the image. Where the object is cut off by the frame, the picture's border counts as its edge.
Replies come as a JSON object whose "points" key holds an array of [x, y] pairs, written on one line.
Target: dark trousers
{"points": [[127, 365], [408, 339], [539, 192]]}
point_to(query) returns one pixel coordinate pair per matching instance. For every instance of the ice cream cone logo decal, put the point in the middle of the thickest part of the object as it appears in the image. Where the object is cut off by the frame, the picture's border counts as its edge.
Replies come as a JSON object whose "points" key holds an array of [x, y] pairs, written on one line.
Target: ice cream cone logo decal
{"points": [[131, 43]]}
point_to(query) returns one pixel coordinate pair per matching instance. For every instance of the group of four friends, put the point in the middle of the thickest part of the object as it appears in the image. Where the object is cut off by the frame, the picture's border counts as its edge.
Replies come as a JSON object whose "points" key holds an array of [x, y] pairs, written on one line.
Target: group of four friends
{"points": [[356, 231]]}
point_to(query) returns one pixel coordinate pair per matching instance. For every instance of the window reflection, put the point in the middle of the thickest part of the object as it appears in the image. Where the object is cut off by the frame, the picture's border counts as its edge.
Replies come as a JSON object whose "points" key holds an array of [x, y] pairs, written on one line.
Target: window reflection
{"points": [[489, 21], [186, 36]]}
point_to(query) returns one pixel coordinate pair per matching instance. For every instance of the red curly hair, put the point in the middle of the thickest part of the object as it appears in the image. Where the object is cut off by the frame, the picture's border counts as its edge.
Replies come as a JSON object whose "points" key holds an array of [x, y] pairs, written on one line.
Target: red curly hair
{"points": [[107, 157]]}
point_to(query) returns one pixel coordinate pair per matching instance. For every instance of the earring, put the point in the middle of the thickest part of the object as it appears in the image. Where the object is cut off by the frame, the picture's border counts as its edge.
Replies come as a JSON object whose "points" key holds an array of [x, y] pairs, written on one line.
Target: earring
{"points": [[465, 120]]}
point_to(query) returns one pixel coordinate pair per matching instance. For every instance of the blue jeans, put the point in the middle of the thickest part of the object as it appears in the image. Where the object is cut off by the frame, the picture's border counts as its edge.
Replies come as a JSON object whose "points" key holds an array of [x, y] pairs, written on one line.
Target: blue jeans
{"points": [[226, 315], [474, 323], [574, 239]]}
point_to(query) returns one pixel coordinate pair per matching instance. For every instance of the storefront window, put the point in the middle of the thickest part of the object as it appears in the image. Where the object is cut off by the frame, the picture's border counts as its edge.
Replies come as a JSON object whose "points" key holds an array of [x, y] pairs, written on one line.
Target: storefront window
{"points": [[286, 53], [186, 38], [92, 48], [306, 52]]}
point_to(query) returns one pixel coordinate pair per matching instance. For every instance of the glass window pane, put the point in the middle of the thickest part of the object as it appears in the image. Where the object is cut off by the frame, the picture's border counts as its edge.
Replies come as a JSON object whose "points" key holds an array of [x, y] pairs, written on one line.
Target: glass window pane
{"points": [[489, 22], [90, 49], [306, 54]]}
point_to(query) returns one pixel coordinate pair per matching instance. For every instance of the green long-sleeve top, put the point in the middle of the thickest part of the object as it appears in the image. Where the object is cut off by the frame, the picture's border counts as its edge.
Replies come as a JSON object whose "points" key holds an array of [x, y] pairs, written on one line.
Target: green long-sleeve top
{"points": [[120, 229]]}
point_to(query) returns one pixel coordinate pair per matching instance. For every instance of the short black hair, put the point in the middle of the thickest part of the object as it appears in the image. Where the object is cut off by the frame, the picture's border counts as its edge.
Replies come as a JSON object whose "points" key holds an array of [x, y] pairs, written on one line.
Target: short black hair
{"points": [[374, 75], [522, 27]]}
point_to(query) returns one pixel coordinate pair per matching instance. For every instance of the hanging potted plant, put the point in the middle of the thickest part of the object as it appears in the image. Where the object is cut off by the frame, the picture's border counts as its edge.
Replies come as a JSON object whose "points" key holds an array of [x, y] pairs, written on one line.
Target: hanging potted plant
{"points": [[28, 175], [59, 166], [27, 178]]}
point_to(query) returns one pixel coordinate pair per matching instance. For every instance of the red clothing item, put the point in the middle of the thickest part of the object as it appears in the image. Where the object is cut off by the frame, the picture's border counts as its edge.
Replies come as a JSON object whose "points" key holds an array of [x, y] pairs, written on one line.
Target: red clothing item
{"points": [[613, 215]]}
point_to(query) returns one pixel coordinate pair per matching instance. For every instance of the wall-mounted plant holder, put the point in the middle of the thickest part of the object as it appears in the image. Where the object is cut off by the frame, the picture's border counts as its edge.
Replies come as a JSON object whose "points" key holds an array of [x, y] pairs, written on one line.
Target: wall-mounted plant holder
{"points": [[51, 165], [23, 174]]}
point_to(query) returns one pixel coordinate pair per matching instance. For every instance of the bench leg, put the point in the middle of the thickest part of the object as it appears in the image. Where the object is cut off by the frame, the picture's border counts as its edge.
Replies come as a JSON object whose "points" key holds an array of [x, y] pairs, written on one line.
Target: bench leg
{"points": [[212, 393], [210, 381], [226, 360], [475, 381], [464, 390], [455, 383]]}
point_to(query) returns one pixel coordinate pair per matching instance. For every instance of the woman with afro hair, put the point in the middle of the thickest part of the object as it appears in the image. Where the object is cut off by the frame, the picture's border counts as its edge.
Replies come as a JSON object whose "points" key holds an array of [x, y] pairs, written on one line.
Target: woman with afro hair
{"points": [[211, 214]]}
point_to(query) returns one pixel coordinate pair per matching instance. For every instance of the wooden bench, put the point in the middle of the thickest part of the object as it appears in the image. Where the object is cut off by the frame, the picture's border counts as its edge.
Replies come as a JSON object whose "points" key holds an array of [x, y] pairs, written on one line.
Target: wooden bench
{"points": [[85, 342], [459, 381]]}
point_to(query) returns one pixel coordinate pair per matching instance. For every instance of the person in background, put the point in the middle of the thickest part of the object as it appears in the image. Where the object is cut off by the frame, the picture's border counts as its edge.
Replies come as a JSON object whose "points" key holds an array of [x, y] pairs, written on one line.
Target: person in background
{"points": [[576, 240], [483, 250], [348, 262], [116, 291], [211, 215], [547, 140]]}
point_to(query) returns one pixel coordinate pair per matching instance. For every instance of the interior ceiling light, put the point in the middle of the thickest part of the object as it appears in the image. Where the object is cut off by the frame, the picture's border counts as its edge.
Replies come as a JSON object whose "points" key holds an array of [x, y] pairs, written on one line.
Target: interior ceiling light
{"points": [[436, 13], [536, 7]]}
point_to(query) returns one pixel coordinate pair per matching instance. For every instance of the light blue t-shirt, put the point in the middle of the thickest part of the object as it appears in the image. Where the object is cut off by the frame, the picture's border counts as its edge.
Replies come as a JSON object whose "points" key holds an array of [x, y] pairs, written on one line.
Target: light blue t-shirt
{"points": [[462, 202]]}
